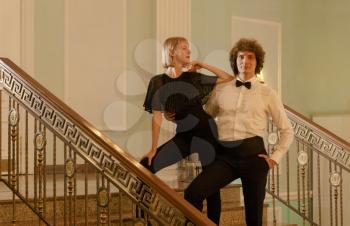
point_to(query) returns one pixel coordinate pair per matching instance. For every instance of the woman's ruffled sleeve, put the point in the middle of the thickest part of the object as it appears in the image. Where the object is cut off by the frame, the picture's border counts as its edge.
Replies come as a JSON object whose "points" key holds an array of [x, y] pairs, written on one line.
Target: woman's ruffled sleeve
{"points": [[152, 99]]}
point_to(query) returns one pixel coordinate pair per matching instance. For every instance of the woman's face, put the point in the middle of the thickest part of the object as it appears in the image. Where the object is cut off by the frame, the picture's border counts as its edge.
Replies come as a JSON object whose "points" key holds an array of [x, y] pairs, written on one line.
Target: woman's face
{"points": [[182, 54]]}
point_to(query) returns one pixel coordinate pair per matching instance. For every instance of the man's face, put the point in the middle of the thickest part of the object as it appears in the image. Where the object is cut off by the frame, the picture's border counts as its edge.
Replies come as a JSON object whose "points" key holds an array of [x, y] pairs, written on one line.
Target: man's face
{"points": [[246, 63]]}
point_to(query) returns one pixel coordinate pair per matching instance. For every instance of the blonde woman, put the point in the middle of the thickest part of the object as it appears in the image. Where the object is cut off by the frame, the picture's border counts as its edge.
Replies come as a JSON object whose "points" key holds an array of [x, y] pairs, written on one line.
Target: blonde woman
{"points": [[181, 91]]}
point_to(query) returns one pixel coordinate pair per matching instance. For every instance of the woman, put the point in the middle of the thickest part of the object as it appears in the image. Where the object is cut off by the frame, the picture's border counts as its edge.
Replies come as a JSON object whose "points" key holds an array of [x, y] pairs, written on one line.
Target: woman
{"points": [[183, 93]]}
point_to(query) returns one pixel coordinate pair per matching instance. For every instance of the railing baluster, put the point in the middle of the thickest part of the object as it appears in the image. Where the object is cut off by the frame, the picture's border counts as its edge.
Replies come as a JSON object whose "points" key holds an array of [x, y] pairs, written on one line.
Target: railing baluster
{"points": [[336, 199], [303, 205], [309, 186], [288, 178], [40, 174], [65, 186], [298, 178], [104, 215], [278, 179], [54, 179], [44, 173], [35, 170], [274, 192], [75, 188], [17, 148], [120, 200], [330, 193], [341, 198], [97, 206], [1, 145], [9, 145], [109, 203], [86, 191], [319, 189], [70, 190], [26, 154], [13, 175]]}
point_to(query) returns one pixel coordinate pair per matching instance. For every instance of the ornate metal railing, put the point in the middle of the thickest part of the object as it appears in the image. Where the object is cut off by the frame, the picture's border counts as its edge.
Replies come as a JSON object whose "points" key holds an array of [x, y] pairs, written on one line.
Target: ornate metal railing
{"points": [[67, 172], [314, 178]]}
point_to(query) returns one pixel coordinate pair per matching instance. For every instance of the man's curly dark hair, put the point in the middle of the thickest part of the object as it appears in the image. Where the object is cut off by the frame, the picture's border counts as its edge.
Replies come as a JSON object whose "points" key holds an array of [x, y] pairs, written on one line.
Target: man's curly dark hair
{"points": [[251, 45]]}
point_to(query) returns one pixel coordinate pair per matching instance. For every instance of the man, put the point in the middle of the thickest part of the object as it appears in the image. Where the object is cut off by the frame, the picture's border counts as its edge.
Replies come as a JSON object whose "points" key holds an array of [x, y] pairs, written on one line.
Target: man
{"points": [[242, 109]]}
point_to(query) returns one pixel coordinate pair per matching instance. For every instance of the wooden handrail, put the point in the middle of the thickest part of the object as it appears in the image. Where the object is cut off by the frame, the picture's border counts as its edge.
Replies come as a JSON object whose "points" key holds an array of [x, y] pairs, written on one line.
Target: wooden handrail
{"points": [[128, 161]]}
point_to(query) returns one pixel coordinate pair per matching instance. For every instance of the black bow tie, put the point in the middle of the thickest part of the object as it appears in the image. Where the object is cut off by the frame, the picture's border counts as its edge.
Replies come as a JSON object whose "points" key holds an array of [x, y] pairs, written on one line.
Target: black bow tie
{"points": [[248, 85]]}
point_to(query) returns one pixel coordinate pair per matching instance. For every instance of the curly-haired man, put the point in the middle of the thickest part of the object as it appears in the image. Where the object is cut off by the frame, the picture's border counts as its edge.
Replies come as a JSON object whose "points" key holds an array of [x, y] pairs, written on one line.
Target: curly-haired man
{"points": [[242, 109]]}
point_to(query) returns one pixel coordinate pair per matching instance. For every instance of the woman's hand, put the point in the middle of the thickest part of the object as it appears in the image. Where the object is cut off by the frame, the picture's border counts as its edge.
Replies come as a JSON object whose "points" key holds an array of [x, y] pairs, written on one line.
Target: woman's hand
{"points": [[269, 161], [170, 116], [194, 66], [150, 155]]}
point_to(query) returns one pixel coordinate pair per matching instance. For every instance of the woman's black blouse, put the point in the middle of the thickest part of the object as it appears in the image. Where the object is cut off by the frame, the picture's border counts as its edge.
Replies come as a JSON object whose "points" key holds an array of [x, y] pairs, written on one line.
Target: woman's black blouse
{"points": [[178, 95]]}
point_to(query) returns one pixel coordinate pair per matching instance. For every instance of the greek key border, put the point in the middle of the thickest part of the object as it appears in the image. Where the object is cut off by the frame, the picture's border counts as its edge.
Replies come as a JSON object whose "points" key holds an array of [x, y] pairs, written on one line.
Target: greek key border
{"points": [[321, 143], [86, 147]]}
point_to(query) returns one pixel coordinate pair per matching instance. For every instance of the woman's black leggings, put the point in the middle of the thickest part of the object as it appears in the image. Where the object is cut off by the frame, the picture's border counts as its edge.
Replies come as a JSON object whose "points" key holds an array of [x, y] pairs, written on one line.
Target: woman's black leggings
{"points": [[181, 146]]}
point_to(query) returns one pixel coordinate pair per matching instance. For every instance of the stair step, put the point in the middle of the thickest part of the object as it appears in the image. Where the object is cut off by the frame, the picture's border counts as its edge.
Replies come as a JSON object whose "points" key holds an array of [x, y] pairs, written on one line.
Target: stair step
{"points": [[232, 208], [229, 193]]}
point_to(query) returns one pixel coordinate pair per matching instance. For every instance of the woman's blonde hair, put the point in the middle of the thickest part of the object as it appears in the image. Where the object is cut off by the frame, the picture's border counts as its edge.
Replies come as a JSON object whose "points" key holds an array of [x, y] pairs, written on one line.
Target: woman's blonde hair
{"points": [[169, 46]]}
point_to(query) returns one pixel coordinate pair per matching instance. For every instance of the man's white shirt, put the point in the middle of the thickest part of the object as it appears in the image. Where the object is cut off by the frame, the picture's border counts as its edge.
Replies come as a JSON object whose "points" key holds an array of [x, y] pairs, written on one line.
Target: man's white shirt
{"points": [[242, 113]]}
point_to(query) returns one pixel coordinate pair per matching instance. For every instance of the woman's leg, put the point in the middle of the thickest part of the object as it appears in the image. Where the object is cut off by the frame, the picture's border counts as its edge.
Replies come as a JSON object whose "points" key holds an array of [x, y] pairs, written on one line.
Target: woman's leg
{"points": [[169, 153], [205, 144]]}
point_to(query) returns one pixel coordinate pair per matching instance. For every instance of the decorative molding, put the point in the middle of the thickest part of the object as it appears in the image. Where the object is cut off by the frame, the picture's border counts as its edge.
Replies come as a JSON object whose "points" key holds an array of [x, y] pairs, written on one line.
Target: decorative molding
{"points": [[173, 19], [258, 35]]}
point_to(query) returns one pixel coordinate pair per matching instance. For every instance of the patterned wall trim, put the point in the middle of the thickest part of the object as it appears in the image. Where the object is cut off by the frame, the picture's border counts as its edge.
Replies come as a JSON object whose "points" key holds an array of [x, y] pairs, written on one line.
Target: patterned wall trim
{"points": [[85, 146]]}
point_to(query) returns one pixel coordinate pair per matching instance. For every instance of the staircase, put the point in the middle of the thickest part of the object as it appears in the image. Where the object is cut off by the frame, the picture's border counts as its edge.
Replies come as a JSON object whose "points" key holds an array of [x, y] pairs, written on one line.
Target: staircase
{"points": [[60, 170], [232, 206]]}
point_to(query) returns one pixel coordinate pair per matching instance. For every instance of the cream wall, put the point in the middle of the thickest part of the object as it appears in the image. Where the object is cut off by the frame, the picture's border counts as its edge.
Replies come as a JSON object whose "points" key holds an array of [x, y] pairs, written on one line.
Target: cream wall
{"points": [[49, 44], [94, 56], [314, 44], [16, 43], [74, 54], [10, 24]]}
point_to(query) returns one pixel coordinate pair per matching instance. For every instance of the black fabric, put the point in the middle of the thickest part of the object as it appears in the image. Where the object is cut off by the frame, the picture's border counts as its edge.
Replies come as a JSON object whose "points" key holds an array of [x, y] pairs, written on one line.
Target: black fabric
{"points": [[196, 131], [179, 94], [201, 140], [248, 85], [231, 164]]}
